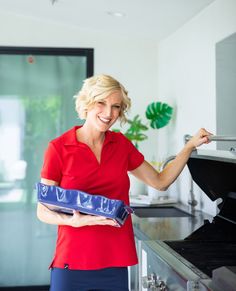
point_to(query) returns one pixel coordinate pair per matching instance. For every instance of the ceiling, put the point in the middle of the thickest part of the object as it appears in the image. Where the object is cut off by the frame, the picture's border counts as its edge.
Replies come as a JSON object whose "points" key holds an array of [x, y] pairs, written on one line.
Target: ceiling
{"points": [[155, 19]]}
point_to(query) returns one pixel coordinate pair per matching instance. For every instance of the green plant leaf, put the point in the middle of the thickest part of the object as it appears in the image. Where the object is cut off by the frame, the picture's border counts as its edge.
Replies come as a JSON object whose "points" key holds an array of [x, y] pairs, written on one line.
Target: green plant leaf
{"points": [[159, 114], [135, 131], [116, 130]]}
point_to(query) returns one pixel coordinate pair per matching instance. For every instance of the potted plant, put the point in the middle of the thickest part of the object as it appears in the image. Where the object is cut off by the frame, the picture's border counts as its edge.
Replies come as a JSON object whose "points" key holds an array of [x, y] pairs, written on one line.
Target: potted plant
{"points": [[159, 115]]}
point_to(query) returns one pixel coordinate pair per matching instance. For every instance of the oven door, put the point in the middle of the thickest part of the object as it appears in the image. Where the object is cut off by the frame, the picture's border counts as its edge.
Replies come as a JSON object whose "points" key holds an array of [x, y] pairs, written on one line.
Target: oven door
{"points": [[161, 268]]}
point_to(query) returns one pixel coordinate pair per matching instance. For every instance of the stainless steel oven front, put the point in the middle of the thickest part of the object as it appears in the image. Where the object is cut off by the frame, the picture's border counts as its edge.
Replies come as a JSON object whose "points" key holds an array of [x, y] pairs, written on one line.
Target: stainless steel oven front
{"points": [[162, 269]]}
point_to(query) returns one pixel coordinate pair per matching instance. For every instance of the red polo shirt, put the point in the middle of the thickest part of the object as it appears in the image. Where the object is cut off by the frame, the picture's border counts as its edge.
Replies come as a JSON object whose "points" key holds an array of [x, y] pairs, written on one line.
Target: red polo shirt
{"points": [[74, 166]]}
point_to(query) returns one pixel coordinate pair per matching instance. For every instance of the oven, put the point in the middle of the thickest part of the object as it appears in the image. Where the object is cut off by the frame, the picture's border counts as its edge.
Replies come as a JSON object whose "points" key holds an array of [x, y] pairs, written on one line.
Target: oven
{"points": [[205, 259]]}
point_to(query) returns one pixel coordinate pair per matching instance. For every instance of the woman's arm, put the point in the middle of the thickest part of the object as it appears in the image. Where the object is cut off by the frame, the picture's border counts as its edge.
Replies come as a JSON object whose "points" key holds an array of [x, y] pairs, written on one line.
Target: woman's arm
{"points": [[164, 179], [76, 220]]}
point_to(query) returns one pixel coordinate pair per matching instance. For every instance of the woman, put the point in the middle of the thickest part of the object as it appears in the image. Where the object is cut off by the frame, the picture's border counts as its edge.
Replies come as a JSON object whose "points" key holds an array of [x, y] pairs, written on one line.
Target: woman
{"points": [[91, 253]]}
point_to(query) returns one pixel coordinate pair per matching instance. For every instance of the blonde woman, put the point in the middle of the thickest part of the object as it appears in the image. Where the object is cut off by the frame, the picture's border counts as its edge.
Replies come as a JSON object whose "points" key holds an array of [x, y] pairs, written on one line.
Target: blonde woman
{"points": [[91, 252]]}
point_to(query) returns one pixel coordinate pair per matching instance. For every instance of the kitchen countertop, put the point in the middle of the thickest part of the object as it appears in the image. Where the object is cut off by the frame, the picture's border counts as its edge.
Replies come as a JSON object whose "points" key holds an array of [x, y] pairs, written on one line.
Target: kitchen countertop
{"points": [[167, 228]]}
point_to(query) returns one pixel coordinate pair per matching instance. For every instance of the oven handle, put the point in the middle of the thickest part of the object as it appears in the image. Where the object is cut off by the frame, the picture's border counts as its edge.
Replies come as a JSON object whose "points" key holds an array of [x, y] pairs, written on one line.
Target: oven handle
{"points": [[187, 137]]}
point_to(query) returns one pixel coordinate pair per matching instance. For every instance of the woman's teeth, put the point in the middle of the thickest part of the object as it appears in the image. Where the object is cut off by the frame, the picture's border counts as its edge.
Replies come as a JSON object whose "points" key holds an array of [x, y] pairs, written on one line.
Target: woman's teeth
{"points": [[105, 120]]}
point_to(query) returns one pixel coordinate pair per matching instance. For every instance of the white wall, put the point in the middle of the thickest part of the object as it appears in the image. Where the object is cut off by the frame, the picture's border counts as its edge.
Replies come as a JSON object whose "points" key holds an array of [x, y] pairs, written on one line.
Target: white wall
{"points": [[186, 77], [132, 61]]}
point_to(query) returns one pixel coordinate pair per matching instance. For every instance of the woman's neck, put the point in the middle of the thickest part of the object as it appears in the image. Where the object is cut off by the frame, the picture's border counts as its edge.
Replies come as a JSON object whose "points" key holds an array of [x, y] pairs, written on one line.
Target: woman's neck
{"points": [[90, 136]]}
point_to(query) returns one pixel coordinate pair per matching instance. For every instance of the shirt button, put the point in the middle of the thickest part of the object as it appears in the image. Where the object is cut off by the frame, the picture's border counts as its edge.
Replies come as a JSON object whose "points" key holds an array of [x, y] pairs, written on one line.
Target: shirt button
{"points": [[66, 266]]}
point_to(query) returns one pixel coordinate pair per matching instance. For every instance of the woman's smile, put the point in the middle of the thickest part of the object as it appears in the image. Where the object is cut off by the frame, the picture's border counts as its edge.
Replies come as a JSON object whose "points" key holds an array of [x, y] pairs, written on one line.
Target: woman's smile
{"points": [[105, 120]]}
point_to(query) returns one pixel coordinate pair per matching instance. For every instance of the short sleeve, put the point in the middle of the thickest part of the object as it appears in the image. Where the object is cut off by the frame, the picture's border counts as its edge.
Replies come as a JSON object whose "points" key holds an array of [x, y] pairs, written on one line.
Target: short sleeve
{"points": [[52, 165], [135, 158]]}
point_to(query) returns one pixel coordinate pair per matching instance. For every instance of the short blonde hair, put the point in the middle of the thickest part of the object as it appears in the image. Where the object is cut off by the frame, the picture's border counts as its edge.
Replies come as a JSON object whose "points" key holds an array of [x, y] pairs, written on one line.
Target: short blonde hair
{"points": [[97, 88]]}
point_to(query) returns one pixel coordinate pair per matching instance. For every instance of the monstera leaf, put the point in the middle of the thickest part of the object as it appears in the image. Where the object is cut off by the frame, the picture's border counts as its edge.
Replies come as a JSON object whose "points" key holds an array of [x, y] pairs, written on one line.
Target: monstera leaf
{"points": [[159, 114]]}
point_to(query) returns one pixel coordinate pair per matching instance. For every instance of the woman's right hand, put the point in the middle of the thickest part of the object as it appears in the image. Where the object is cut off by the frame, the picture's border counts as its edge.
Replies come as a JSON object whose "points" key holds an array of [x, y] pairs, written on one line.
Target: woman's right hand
{"points": [[79, 220]]}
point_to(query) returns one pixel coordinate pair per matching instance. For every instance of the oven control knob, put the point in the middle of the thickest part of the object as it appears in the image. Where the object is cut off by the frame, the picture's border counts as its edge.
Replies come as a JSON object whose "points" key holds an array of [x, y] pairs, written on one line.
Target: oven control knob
{"points": [[153, 283]]}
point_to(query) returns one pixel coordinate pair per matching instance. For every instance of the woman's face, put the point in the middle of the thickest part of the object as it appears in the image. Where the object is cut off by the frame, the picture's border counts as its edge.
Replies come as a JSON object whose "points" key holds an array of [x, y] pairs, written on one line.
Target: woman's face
{"points": [[105, 112]]}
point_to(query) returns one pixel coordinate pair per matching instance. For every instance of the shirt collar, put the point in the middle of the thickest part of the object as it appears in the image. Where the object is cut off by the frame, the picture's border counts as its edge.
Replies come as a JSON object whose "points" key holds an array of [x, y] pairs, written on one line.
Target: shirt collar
{"points": [[70, 137]]}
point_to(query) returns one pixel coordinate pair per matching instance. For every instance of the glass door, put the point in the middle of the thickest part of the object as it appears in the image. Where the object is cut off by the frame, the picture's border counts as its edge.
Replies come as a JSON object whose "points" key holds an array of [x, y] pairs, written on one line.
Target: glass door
{"points": [[37, 86]]}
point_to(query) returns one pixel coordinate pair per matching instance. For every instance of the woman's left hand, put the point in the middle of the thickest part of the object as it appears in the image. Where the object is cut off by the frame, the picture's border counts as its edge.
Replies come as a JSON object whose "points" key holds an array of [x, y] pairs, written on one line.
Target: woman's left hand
{"points": [[201, 137]]}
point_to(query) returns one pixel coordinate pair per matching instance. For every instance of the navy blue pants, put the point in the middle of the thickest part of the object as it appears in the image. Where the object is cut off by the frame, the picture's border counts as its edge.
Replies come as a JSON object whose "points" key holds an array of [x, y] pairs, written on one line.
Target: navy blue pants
{"points": [[108, 279]]}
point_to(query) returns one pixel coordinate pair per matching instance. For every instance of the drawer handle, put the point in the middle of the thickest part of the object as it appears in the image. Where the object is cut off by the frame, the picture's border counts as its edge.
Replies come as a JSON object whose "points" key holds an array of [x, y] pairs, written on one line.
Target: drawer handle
{"points": [[153, 283]]}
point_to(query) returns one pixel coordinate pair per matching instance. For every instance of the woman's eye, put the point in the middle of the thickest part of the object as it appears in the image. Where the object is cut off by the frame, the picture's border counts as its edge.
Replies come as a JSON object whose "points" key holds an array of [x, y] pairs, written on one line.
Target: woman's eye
{"points": [[117, 106], [101, 102]]}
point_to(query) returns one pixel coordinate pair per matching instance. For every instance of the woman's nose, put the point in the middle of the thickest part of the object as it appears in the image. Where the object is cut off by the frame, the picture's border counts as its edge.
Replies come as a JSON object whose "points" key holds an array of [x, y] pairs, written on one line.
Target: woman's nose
{"points": [[108, 111]]}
